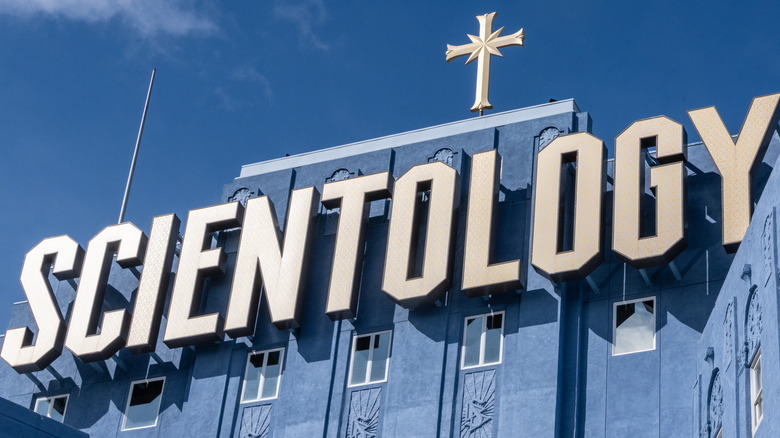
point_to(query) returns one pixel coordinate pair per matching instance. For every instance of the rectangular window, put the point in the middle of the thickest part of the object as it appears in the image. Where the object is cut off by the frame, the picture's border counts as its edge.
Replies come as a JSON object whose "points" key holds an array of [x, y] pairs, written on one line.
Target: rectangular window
{"points": [[143, 404], [634, 326], [52, 407], [370, 358], [756, 391], [262, 375], [483, 340]]}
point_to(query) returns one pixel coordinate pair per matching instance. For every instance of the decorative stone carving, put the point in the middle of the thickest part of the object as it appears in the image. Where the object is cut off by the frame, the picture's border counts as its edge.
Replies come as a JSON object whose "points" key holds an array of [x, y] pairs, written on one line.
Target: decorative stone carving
{"points": [[709, 355], [728, 335], [255, 422], [444, 155], [479, 396], [715, 408], [747, 273], [753, 323], [364, 413], [547, 136], [339, 175], [332, 216], [768, 246], [241, 195]]}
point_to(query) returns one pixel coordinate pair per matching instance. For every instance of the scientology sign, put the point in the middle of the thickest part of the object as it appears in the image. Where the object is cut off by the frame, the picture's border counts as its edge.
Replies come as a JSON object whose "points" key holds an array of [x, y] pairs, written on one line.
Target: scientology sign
{"points": [[275, 261]]}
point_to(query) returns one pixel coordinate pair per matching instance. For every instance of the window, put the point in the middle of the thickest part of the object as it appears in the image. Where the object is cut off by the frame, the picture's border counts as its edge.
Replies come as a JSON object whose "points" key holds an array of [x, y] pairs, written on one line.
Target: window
{"points": [[261, 378], [143, 403], [756, 391], [483, 340], [52, 407], [370, 358], [634, 328]]}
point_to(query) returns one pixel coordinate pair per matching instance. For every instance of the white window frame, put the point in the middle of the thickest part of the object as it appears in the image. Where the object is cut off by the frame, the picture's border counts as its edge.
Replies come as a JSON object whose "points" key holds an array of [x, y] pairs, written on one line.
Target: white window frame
{"points": [[756, 394], [482, 340], [51, 399], [130, 396], [261, 385], [370, 362], [614, 323]]}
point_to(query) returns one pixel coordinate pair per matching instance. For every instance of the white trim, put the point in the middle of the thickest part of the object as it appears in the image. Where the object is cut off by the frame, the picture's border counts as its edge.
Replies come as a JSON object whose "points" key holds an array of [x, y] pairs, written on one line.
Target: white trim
{"points": [[261, 385], [130, 396], [411, 137], [614, 323], [482, 341], [50, 399], [370, 359]]}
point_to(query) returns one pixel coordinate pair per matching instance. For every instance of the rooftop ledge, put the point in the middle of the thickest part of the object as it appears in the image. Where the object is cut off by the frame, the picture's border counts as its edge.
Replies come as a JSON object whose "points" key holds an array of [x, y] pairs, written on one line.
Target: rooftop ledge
{"points": [[416, 136]]}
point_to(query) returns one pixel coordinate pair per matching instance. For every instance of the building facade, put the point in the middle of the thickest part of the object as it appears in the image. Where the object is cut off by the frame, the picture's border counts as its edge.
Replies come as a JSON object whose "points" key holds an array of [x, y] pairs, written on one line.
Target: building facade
{"points": [[689, 347]]}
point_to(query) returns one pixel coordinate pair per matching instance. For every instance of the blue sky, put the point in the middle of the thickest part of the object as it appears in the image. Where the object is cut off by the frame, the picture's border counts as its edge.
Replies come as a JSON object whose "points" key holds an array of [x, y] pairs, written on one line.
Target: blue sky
{"points": [[246, 81]]}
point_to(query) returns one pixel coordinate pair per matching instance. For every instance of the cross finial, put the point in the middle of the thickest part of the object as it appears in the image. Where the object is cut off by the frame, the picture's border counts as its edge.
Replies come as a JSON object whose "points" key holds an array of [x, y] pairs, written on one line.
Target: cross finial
{"points": [[481, 47]]}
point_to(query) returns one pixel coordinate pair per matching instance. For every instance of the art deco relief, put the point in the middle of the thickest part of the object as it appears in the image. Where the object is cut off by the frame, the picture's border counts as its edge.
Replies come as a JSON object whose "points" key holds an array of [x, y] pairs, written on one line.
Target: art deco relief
{"points": [[715, 405], [364, 413], [241, 195], [768, 246], [332, 214], [548, 135], [444, 155], [753, 324], [255, 422], [479, 397], [728, 335]]}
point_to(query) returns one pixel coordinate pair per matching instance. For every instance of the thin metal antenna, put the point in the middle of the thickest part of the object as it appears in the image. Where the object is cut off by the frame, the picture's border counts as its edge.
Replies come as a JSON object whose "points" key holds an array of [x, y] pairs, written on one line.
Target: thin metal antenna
{"points": [[135, 152]]}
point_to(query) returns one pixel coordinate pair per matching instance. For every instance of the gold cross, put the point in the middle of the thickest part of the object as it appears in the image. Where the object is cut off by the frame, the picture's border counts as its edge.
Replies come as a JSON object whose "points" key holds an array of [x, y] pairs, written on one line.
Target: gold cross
{"points": [[481, 47]]}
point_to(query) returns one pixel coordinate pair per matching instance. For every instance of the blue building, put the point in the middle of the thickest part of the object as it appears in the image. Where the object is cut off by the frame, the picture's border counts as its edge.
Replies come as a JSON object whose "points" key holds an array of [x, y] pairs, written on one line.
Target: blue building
{"points": [[685, 348]]}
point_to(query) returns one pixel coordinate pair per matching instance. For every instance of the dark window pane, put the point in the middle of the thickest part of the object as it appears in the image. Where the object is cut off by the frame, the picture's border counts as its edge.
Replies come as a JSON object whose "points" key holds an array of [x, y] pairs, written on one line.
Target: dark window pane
{"points": [[58, 408], [494, 321], [144, 404], [624, 311], [363, 343], [273, 358], [145, 392], [257, 360]]}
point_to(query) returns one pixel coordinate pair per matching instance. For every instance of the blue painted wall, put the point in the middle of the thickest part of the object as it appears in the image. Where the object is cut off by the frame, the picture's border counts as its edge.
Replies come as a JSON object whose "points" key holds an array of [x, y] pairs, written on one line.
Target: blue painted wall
{"points": [[557, 377]]}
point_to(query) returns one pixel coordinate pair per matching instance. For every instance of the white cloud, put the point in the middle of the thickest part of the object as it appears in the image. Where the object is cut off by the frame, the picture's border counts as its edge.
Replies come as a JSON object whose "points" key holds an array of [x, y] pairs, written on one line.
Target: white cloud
{"points": [[148, 17], [305, 15], [249, 74]]}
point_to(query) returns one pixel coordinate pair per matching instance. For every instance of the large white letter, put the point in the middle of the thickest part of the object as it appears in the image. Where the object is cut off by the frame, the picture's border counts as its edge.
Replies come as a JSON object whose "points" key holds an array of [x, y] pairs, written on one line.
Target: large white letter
{"points": [[668, 182], [589, 153], [737, 162], [281, 267], [66, 255], [129, 244], [153, 286], [479, 276], [353, 196], [443, 206], [198, 261]]}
